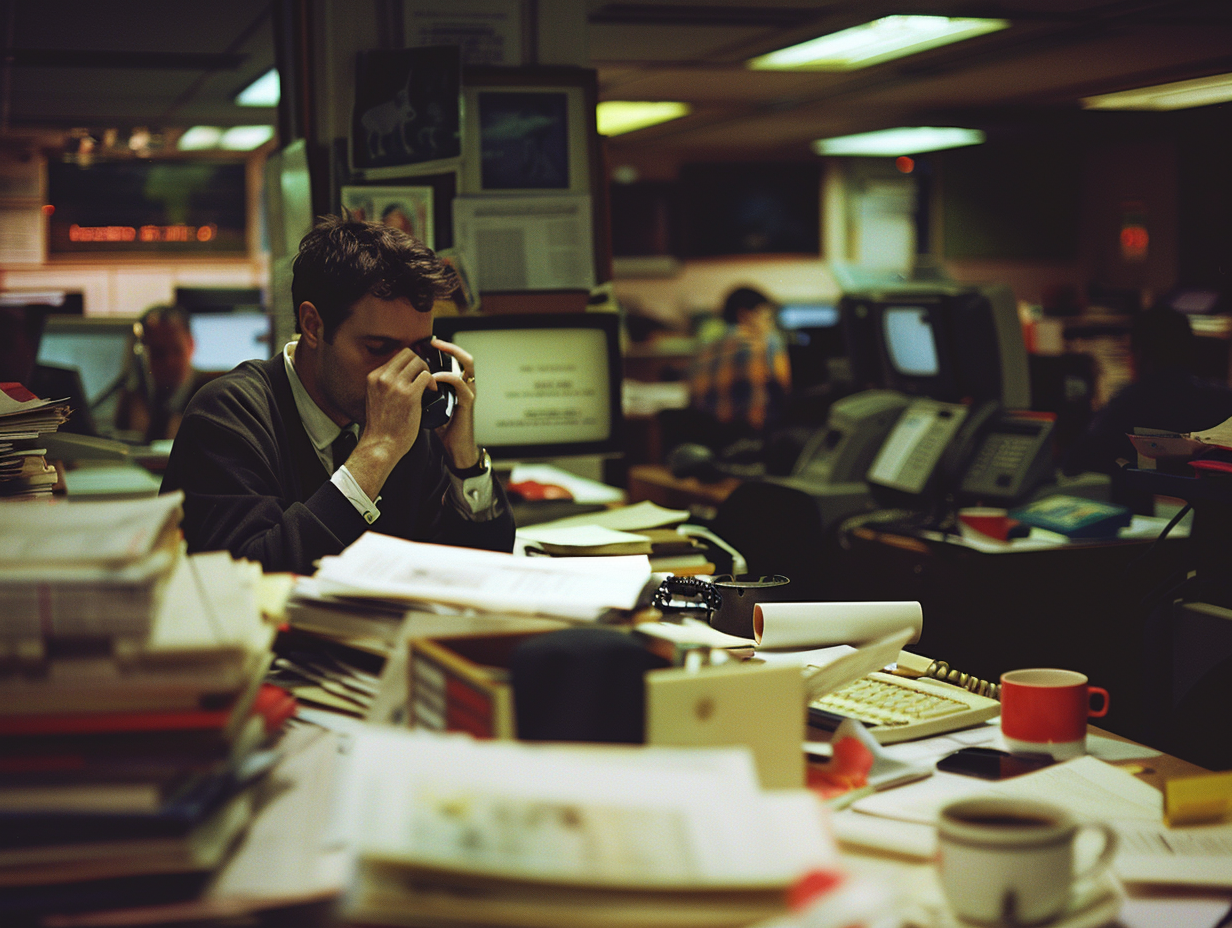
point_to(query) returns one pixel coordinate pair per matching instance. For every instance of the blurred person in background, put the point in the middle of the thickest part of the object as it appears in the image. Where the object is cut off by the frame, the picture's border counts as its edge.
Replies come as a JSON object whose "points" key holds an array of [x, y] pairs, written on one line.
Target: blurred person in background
{"points": [[152, 404], [743, 379], [1166, 393]]}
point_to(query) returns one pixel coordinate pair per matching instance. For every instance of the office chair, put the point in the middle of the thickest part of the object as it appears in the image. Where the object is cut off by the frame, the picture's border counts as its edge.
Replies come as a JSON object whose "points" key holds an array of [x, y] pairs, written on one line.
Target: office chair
{"points": [[778, 529]]}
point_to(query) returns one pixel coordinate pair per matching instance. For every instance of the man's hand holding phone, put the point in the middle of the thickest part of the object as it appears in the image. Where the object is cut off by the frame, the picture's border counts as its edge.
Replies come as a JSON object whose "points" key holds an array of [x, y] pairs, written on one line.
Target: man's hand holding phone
{"points": [[393, 410], [458, 433]]}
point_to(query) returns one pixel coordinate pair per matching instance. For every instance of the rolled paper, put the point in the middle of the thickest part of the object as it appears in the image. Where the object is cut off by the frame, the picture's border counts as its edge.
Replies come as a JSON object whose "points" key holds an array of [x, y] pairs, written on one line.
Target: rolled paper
{"points": [[804, 625]]}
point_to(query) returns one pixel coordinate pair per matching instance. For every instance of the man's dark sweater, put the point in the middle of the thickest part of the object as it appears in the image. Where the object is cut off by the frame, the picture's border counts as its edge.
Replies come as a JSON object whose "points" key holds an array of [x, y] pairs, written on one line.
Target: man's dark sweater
{"points": [[253, 484]]}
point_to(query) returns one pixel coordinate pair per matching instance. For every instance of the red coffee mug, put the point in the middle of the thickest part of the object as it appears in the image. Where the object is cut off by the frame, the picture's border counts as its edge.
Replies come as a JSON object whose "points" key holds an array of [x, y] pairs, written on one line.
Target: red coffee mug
{"points": [[985, 521], [1045, 711]]}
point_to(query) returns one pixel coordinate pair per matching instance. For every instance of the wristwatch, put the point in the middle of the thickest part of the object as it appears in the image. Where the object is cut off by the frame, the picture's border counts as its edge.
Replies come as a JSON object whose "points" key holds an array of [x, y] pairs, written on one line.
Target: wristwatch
{"points": [[482, 466]]}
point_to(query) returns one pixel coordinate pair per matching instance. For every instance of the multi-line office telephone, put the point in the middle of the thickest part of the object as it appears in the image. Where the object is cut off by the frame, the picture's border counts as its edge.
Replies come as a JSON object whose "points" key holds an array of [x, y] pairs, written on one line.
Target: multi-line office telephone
{"points": [[981, 453]]}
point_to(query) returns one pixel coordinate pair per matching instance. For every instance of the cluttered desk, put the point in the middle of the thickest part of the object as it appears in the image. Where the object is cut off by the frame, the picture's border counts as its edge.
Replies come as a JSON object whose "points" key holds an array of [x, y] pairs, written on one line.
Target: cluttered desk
{"points": [[303, 750], [592, 730]]}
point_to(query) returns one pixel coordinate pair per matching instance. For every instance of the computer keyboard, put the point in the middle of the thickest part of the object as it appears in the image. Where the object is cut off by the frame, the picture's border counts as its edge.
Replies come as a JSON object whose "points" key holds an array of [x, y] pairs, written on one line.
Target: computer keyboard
{"points": [[899, 709]]}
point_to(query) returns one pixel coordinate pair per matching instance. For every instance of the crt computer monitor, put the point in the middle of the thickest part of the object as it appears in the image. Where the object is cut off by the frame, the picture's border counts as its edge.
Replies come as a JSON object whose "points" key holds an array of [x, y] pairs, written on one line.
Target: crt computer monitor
{"points": [[548, 385], [223, 340], [814, 336], [100, 348], [950, 342]]}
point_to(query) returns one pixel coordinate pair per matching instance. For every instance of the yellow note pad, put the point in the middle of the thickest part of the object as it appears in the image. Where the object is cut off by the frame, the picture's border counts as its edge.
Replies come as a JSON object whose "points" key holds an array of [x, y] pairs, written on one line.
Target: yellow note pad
{"points": [[1204, 799]]}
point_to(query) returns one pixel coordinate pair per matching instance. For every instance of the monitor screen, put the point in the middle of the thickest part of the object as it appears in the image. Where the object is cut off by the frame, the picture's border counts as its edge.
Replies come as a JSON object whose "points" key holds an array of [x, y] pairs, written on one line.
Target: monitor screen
{"points": [[548, 384], [949, 341], [793, 316], [99, 349], [909, 341], [223, 340]]}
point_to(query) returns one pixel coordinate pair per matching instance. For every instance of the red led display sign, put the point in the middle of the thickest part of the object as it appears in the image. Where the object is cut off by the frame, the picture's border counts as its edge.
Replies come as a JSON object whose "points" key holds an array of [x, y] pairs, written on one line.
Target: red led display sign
{"points": [[178, 207]]}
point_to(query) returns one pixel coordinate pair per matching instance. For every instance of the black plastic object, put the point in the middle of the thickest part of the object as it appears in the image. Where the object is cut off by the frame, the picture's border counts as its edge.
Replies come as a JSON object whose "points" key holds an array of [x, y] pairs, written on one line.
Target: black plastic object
{"points": [[438, 404], [693, 460], [991, 764], [740, 595], [581, 684], [686, 594]]}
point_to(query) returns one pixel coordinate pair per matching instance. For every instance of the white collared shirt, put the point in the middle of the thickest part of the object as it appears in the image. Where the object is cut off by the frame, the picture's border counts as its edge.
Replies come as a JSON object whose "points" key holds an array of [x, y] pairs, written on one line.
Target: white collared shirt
{"points": [[472, 497]]}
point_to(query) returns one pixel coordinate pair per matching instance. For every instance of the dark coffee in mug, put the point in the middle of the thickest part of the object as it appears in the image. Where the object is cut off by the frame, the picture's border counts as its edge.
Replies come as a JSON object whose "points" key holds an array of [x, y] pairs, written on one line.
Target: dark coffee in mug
{"points": [[1002, 820]]}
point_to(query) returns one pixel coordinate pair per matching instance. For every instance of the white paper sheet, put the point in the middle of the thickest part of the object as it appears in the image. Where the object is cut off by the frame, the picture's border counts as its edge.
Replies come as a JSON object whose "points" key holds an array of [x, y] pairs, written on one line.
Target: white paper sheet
{"points": [[1087, 786], [633, 518], [527, 243], [638, 816]]}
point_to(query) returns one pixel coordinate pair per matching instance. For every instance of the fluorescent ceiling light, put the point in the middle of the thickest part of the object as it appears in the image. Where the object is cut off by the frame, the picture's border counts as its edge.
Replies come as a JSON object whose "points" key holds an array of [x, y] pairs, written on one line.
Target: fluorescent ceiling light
{"points": [[890, 143], [266, 90], [618, 116], [199, 137], [1202, 91], [245, 138], [872, 43]]}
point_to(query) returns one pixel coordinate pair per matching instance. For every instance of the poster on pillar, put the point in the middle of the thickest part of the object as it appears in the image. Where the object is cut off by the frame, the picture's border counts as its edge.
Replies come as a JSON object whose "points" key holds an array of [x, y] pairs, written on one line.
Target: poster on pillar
{"points": [[406, 107]]}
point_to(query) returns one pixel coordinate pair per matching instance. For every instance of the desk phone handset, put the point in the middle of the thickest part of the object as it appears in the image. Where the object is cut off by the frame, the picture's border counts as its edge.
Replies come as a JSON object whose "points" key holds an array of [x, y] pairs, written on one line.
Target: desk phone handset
{"points": [[438, 404]]}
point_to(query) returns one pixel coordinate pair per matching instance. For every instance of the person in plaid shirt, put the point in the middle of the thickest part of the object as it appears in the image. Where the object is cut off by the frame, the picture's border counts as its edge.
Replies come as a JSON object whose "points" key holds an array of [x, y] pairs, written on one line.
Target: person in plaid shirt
{"points": [[743, 379]]}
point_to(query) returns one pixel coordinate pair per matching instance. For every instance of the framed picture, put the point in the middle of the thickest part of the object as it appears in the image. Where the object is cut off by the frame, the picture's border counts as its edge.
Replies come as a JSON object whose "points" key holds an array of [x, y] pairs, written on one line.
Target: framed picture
{"points": [[407, 208], [406, 107], [526, 139]]}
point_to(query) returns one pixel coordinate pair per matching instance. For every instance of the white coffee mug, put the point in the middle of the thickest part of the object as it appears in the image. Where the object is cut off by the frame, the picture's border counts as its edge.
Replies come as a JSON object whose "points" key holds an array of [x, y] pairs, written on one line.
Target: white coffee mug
{"points": [[1007, 861]]}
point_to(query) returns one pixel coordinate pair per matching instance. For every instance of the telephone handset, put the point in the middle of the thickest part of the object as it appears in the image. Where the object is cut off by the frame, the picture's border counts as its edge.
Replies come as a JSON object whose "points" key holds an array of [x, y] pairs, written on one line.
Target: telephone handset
{"points": [[438, 404], [955, 457], [909, 460]]}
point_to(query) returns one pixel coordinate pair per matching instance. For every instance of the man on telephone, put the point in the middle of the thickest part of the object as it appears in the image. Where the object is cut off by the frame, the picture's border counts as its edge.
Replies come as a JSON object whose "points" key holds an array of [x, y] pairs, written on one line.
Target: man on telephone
{"points": [[288, 460]]}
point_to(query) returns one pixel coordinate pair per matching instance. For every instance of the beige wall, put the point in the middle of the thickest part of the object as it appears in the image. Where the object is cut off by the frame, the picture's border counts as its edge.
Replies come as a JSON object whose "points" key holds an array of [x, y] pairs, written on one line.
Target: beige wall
{"points": [[111, 284], [128, 287], [702, 285]]}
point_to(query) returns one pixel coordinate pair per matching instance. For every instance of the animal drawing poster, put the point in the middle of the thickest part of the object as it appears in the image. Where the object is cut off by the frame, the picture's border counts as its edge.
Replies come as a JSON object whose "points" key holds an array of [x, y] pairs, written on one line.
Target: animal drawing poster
{"points": [[406, 106], [524, 140]]}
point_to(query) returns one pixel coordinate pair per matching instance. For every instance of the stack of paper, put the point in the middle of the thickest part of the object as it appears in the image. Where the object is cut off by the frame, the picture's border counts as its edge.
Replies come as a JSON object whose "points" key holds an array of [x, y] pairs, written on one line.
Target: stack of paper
{"points": [[83, 570], [644, 528], [668, 549], [342, 654], [379, 567], [126, 759], [453, 831], [24, 472]]}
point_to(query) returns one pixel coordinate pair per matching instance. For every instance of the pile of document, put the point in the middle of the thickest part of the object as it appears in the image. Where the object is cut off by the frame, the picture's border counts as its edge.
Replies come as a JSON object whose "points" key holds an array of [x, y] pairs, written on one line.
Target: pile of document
{"points": [[74, 571], [130, 741], [668, 549], [332, 651], [24, 471], [644, 528], [453, 831], [438, 577]]}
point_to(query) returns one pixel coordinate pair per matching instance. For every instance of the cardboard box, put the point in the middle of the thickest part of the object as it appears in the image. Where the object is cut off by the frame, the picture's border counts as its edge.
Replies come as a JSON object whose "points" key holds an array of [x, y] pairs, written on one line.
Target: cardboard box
{"points": [[462, 684]]}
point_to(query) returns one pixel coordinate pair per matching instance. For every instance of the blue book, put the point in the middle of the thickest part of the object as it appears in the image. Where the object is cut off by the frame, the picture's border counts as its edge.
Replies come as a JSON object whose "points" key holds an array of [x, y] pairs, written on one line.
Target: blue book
{"points": [[1074, 516]]}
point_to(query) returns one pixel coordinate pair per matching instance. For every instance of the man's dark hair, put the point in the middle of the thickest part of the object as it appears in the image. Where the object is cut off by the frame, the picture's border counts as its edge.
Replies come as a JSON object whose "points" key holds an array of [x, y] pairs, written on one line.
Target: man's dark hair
{"points": [[1162, 338], [342, 260], [156, 315], [740, 300]]}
